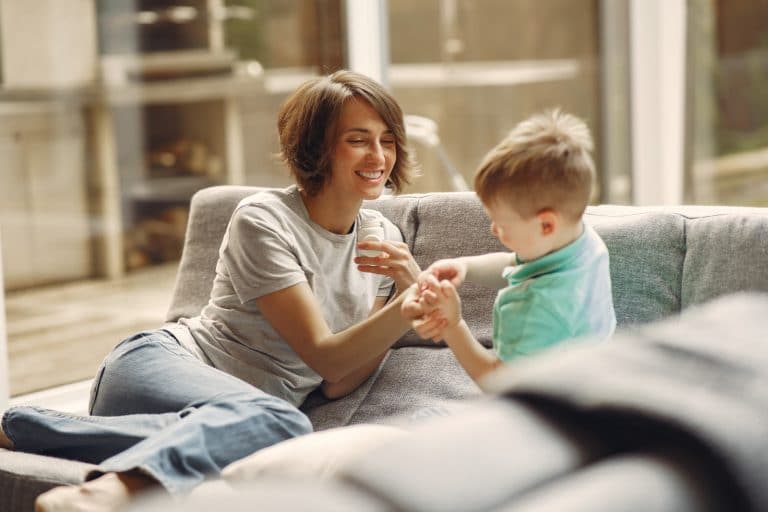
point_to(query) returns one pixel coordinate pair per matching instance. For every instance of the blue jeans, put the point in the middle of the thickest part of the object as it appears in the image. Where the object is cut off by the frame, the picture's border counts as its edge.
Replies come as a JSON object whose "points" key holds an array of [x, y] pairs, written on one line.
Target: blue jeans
{"points": [[158, 409]]}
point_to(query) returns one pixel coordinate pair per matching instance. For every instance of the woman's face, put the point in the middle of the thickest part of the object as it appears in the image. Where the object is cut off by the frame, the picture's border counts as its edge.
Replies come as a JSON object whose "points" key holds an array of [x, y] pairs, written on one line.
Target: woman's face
{"points": [[364, 152]]}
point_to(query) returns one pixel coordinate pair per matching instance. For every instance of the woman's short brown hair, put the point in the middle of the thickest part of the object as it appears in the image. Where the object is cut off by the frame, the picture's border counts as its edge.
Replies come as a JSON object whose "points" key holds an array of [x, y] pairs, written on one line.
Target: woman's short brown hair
{"points": [[308, 121], [544, 163]]}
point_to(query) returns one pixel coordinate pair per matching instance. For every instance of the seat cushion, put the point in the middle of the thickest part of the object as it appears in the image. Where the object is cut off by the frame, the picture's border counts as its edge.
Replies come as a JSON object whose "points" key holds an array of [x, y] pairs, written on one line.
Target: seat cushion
{"points": [[319, 455], [24, 476]]}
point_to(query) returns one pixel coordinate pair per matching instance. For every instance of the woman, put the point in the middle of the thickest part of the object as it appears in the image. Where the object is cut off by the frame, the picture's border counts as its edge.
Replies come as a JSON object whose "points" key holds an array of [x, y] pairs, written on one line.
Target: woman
{"points": [[292, 308]]}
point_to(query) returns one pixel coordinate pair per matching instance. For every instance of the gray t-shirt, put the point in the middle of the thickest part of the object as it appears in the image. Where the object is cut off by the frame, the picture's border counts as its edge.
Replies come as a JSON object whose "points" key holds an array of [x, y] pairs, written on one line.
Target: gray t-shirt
{"points": [[272, 244]]}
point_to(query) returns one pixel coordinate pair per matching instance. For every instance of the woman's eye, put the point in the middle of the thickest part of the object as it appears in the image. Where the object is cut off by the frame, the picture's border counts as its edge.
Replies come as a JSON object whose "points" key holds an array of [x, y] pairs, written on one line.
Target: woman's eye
{"points": [[357, 141], [388, 142]]}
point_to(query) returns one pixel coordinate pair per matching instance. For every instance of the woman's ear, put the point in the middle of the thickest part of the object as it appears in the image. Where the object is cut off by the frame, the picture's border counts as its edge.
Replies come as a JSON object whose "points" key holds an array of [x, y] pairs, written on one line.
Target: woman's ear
{"points": [[548, 220]]}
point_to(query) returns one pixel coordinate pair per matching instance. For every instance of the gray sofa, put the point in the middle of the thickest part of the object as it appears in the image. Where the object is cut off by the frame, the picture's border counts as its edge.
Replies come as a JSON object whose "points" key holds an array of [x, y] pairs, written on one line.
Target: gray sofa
{"points": [[663, 261]]}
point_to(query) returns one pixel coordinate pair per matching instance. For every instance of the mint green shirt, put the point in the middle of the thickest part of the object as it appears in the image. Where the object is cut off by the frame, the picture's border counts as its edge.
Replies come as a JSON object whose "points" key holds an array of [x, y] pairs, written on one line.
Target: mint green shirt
{"points": [[563, 295]]}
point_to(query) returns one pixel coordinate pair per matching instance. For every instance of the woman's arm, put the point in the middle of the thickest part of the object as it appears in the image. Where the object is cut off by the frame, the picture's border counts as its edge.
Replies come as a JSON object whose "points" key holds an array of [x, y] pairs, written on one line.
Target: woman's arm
{"points": [[294, 313], [351, 382]]}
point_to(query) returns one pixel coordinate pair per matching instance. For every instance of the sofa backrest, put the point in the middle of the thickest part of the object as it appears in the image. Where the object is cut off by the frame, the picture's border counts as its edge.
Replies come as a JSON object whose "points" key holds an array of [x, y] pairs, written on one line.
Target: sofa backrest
{"points": [[209, 213], [663, 259]]}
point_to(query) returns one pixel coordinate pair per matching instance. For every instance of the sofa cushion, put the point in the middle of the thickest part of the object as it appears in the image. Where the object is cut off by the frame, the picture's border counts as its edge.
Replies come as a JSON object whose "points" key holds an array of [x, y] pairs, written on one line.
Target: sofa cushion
{"points": [[410, 380], [317, 455], [23, 476], [267, 494], [647, 250], [726, 253], [474, 460]]}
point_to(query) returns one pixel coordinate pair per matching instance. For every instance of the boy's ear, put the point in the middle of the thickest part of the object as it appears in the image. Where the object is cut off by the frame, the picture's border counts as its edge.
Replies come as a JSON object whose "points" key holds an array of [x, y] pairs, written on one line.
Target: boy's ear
{"points": [[548, 220]]}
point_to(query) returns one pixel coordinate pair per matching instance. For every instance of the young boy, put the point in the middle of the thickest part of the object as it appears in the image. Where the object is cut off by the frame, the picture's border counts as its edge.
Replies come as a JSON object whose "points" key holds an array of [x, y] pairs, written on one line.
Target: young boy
{"points": [[555, 285]]}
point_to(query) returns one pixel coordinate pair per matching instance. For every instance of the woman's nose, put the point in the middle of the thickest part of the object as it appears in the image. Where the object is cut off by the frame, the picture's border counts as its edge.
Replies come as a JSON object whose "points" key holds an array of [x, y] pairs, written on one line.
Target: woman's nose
{"points": [[376, 153]]}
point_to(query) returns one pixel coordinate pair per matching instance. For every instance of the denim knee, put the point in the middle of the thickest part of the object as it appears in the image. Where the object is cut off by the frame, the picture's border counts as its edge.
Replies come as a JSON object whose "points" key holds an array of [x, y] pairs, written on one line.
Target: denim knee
{"points": [[292, 417], [283, 419]]}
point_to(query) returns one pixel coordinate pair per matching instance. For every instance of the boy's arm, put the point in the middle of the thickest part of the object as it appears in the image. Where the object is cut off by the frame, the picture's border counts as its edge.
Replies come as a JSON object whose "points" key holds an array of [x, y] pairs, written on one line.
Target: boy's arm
{"points": [[445, 322], [485, 269], [476, 360], [482, 269]]}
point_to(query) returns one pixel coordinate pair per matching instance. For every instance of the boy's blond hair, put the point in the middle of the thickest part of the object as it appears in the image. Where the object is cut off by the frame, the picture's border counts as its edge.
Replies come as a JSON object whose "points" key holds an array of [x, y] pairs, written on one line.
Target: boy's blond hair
{"points": [[544, 163]]}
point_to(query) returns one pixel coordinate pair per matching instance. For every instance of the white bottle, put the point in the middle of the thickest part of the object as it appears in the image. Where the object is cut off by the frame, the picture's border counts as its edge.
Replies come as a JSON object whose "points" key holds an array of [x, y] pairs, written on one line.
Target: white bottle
{"points": [[370, 230]]}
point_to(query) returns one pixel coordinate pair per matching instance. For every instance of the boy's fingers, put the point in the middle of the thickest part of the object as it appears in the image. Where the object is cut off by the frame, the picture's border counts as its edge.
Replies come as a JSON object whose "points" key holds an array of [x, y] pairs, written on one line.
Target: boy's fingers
{"points": [[430, 282], [448, 290], [427, 327], [421, 280], [429, 297]]}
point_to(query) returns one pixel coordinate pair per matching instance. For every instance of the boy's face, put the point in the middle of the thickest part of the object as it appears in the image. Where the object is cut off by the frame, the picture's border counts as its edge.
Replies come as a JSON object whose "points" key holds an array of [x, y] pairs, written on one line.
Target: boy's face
{"points": [[525, 236]]}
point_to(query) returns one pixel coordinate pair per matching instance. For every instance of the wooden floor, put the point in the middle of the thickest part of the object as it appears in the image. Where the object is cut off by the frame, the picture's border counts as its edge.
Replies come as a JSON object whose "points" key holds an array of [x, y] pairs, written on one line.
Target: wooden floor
{"points": [[60, 334]]}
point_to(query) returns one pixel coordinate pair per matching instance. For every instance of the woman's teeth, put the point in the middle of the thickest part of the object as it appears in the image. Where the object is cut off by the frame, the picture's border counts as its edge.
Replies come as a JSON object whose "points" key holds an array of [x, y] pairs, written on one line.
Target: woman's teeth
{"points": [[370, 175]]}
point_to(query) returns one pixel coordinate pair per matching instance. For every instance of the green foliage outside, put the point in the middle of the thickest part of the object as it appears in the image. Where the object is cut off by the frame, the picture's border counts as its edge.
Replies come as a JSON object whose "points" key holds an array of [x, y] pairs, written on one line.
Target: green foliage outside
{"points": [[246, 36]]}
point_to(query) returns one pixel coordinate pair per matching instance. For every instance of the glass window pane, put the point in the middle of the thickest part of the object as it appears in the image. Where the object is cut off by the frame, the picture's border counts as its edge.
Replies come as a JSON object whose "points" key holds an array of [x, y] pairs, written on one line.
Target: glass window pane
{"points": [[477, 67], [728, 104]]}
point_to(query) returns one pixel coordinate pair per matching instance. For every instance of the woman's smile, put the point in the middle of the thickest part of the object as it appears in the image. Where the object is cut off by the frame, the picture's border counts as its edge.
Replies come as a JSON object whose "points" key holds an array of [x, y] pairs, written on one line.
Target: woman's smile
{"points": [[370, 175]]}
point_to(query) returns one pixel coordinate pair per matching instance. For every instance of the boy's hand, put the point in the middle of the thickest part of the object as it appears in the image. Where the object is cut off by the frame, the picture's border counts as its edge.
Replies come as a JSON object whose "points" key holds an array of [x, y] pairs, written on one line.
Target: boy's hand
{"points": [[442, 296], [421, 313], [442, 305], [453, 270], [430, 326]]}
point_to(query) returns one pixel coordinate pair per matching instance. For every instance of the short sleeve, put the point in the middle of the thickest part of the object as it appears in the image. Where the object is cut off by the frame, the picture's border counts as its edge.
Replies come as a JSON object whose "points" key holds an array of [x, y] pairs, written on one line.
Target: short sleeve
{"points": [[258, 254]]}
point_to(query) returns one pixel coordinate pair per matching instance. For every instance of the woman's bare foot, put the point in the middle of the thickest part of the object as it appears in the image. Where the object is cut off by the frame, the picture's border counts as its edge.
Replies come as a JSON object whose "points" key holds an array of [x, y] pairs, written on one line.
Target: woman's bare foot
{"points": [[4, 441], [107, 493]]}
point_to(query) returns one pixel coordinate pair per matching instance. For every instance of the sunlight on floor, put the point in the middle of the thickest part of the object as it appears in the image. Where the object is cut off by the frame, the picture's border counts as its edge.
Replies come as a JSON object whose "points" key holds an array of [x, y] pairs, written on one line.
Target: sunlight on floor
{"points": [[60, 334]]}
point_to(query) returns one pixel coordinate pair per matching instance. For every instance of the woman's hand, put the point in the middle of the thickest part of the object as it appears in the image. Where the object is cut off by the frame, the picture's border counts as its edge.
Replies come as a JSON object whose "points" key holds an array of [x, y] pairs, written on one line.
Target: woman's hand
{"points": [[395, 261]]}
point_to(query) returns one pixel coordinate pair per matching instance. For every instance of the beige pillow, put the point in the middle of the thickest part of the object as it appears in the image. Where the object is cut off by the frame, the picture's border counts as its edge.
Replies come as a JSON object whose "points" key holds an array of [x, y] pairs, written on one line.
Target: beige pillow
{"points": [[317, 455]]}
